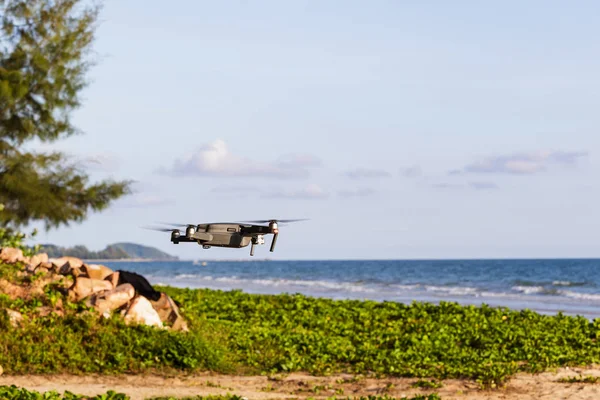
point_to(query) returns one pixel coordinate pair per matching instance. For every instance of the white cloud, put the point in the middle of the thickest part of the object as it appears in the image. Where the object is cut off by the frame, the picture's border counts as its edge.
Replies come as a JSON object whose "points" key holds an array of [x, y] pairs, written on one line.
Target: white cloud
{"points": [[470, 185], [311, 191], [522, 163], [366, 173], [238, 192], [483, 185], [360, 192], [446, 186], [411, 172], [235, 189], [298, 160], [215, 159]]}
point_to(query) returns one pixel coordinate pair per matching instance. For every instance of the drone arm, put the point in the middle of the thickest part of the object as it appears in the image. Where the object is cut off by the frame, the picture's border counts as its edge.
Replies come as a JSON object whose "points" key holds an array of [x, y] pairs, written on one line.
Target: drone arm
{"points": [[274, 241]]}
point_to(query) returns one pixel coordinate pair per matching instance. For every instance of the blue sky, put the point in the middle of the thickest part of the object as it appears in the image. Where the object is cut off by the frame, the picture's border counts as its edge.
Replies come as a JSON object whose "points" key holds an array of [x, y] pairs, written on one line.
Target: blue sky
{"points": [[413, 129]]}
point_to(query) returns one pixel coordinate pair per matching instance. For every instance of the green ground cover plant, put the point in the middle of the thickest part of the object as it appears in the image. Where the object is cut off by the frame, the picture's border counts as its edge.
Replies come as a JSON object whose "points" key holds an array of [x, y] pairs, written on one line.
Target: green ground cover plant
{"points": [[209, 397], [16, 393], [580, 379], [287, 333], [433, 396], [427, 384], [236, 332]]}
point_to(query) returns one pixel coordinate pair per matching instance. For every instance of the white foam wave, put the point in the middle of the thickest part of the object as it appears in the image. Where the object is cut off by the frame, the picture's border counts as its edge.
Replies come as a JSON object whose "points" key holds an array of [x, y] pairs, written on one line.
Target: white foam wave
{"points": [[529, 289], [562, 283], [581, 296], [457, 291], [406, 287], [185, 276], [286, 283], [379, 289]]}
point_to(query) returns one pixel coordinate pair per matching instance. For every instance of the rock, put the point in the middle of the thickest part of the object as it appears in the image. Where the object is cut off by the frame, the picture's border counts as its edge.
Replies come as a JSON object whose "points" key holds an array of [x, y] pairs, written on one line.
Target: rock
{"points": [[83, 287], [141, 311], [169, 313], [38, 259], [64, 269], [112, 299], [65, 264], [67, 269], [11, 255], [11, 290], [30, 269], [96, 271], [47, 266], [14, 317]]}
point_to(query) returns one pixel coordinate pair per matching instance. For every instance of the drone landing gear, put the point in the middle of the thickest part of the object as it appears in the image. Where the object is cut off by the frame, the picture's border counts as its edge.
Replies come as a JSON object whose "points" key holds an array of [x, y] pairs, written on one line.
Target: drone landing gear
{"points": [[258, 239]]}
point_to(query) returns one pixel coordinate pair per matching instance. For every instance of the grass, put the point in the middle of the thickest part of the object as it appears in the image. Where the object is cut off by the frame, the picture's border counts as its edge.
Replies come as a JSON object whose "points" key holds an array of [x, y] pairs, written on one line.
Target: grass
{"points": [[16, 393], [236, 332], [427, 384], [580, 379]]}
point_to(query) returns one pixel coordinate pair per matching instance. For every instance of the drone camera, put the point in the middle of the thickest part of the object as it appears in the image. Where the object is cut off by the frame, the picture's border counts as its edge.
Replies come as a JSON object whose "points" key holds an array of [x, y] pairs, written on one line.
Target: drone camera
{"points": [[258, 239]]}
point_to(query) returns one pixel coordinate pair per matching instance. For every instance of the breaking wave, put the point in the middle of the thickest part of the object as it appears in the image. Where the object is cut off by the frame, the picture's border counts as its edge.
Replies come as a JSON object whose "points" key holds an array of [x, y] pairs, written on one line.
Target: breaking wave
{"points": [[374, 289]]}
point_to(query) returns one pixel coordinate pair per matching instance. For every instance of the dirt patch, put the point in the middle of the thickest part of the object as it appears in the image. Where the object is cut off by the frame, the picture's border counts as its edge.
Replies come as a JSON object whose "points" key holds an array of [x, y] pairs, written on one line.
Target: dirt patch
{"points": [[543, 386]]}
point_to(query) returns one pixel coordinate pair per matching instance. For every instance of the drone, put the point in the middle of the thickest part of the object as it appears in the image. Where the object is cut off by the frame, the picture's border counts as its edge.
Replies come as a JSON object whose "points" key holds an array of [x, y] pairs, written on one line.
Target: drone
{"points": [[226, 234]]}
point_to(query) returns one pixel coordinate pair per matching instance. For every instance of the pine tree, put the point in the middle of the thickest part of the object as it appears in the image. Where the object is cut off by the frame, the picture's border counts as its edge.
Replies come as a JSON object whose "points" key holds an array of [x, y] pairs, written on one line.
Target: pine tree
{"points": [[44, 56]]}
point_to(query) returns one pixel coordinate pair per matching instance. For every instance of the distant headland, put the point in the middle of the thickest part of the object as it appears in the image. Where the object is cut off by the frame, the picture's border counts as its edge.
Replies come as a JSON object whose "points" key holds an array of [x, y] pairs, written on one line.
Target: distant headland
{"points": [[114, 252]]}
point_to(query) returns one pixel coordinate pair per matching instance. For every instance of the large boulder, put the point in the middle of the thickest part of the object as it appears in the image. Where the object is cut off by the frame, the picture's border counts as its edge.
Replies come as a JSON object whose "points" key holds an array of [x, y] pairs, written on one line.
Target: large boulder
{"points": [[11, 255], [45, 267], [141, 312], [96, 271], [169, 313], [64, 265], [111, 300], [38, 259], [84, 287]]}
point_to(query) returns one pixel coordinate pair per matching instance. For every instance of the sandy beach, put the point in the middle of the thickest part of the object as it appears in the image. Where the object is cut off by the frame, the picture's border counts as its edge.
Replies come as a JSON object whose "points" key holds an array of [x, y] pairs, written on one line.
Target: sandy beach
{"points": [[303, 386]]}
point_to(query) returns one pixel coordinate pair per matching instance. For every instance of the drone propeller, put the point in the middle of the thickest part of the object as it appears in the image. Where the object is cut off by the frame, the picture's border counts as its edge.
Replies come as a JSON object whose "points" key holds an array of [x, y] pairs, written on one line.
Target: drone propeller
{"points": [[173, 224], [283, 221], [155, 228]]}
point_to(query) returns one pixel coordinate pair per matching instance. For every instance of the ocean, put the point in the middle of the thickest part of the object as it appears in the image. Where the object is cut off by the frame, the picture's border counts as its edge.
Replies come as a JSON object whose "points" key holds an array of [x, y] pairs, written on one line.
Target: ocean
{"points": [[570, 286]]}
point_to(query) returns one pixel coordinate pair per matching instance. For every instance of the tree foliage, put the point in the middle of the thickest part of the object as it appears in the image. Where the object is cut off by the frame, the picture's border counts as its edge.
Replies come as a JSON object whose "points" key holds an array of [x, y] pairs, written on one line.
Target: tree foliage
{"points": [[44, 57]]}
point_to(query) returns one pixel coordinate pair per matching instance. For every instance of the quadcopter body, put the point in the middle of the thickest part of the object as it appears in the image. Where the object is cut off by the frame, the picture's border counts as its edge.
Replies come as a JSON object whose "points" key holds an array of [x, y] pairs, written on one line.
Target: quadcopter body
{"points": [[227, 234]]}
